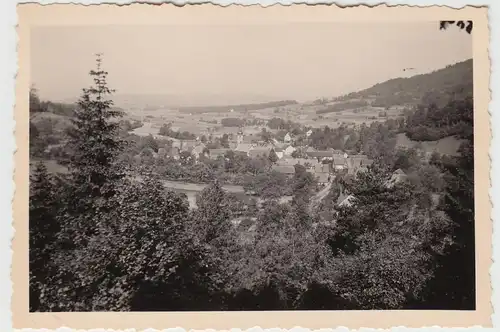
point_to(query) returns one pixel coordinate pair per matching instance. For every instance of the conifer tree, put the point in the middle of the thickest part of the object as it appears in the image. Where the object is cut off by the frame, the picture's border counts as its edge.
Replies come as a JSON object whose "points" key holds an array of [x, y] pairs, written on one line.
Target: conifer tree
{"points": [[94, 139], [43, 229]]}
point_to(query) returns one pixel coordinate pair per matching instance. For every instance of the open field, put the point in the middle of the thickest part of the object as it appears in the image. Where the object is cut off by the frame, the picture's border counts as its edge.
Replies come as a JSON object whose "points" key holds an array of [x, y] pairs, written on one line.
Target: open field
{"points": [[207, 120], [448, 145]]}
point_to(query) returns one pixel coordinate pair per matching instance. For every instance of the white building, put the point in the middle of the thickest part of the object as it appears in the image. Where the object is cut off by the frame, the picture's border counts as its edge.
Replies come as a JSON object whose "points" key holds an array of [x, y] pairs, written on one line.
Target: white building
{"points": [[279, 152], [289, 150], [287, 138]]}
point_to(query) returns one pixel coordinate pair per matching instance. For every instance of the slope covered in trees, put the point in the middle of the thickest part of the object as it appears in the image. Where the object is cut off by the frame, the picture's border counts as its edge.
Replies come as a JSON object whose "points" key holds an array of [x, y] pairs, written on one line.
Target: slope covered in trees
{"points": [[413, 90]]}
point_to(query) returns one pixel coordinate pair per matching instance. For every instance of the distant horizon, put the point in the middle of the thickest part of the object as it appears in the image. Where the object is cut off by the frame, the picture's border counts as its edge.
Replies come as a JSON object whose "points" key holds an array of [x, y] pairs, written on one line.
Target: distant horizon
{"points": [[245, 101]]}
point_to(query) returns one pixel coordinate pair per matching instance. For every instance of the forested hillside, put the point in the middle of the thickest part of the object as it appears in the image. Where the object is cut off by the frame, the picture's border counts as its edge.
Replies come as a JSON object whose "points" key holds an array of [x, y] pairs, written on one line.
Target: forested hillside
{"points": [[426, 87]]}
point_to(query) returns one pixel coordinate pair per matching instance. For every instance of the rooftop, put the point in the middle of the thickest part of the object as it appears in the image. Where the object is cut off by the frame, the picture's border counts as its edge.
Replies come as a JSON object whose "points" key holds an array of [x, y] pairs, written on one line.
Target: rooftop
{"points": [[284, 169], [217, 151], [319, 154], [243, 147], [259, 152]]}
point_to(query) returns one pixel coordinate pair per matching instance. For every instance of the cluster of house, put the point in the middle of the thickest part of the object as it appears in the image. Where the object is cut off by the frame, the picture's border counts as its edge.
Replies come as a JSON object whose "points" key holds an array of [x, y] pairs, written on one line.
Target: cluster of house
{"points": [[324, 164], [242, 144]]}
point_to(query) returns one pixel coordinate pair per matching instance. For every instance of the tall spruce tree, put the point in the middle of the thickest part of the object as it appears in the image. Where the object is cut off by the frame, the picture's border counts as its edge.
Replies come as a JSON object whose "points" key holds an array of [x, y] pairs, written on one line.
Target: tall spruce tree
{"points": [[43, 229], [94, 140]]}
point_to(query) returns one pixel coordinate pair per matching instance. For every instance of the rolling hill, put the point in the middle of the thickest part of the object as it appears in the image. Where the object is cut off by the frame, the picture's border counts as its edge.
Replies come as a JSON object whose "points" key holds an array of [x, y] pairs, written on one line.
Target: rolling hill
{"points": [[436, 86]]}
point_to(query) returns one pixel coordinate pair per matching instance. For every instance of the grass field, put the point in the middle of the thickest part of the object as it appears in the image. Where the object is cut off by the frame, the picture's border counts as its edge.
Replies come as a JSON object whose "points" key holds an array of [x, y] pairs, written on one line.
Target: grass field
{"points": [[448, 145]]}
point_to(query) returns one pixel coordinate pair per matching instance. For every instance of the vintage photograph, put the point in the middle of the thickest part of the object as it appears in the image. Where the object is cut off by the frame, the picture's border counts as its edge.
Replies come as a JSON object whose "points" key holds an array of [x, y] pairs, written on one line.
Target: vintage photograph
{"points": [[296, 166]]}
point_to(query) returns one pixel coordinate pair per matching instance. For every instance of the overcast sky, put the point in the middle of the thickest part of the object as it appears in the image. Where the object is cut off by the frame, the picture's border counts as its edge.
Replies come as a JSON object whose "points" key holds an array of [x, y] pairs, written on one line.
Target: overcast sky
{"points": [[297, 61]]}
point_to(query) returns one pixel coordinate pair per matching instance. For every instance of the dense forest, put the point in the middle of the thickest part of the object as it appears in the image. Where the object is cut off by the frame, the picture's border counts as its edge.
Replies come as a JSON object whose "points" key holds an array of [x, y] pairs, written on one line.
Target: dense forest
{"points": [[106, 235]]}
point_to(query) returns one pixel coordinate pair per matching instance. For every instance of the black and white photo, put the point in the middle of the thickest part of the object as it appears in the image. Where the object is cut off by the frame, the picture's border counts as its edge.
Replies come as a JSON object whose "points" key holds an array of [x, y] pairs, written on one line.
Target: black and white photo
{"points": [[295, 166]]}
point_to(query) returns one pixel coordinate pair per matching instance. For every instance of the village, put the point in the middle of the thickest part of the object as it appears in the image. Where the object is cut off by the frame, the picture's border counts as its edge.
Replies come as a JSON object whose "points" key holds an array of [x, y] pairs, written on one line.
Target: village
{"points": [[323, 164]]}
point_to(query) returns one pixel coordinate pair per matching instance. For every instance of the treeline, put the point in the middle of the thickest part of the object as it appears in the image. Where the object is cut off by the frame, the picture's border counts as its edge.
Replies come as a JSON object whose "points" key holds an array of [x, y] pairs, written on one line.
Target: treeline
{"points": [[127, 125], [430, 121], [342, 106], [166, 130], [38, 106], [63, 109], [238, 122], [233, 122], [237, 108], [282, 124]]}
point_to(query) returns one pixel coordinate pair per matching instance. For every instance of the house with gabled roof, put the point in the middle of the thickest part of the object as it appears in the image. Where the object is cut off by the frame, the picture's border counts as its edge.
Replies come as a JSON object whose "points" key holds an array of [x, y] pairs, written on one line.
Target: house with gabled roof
{"points": [[279, 152], [357, 161], [259, 152], [243, 148], [320, 155]]}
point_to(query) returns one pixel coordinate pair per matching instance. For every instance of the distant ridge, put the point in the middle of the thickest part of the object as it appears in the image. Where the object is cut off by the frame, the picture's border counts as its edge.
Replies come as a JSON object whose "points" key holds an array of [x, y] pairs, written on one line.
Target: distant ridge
{"points": [[412, 90], [174, 100]]}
